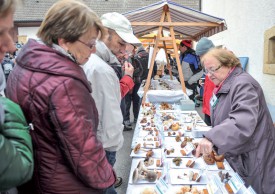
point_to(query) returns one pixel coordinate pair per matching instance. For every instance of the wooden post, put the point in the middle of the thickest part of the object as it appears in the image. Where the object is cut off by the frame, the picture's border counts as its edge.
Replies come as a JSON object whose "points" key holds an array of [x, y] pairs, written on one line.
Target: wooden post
{"points": [[159, 38], [148, 80], [172, 33]]}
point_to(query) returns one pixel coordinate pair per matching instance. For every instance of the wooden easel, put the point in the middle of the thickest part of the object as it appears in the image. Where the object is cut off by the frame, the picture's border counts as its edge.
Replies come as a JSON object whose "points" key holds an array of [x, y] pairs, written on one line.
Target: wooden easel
{"points": [[160, 37]]}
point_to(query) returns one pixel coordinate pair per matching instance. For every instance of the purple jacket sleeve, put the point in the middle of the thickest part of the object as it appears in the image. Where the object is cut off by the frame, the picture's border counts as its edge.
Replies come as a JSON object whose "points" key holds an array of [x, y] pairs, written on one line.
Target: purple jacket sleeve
{"points": [[236, 120]]}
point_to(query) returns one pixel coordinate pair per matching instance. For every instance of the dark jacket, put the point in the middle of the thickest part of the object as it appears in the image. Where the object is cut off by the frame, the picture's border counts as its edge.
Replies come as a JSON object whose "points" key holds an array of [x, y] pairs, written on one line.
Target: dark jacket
{"points": [[244, 132], [140, 63], [16, 166], [55, 96], [191, 66]]}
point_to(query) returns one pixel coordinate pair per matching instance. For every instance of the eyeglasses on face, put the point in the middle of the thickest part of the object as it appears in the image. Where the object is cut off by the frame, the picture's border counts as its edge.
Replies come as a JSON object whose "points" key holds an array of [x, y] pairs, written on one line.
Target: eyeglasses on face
{"points": [[90, 46], [212, 71]]}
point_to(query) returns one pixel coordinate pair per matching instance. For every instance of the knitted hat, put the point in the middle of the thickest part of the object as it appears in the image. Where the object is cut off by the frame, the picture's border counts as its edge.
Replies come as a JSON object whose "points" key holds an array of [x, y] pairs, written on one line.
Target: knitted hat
{"points": [[203, 46], [187, 43]]}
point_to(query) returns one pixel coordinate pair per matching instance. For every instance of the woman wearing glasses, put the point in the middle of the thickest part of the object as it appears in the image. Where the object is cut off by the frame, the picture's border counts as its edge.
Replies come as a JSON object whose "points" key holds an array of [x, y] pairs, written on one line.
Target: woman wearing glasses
{"points": [[242, 125], [52, 89]]}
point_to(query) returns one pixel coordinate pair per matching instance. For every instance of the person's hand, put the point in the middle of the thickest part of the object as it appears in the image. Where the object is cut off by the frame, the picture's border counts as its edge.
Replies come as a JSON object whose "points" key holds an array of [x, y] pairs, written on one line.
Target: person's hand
{"points": [[128, 68], [205, 147], [200, 82]]}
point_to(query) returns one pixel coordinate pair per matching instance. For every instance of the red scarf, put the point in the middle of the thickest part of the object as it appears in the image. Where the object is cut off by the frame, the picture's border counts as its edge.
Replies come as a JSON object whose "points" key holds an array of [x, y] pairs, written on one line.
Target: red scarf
{"points": [[217, 88]]}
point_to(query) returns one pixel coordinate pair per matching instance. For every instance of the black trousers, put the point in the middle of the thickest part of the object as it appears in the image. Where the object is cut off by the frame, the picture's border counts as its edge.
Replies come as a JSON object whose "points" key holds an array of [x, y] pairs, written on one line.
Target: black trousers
{"points": [[123, 108], [192, 87], [132, 97], [207, 119]]}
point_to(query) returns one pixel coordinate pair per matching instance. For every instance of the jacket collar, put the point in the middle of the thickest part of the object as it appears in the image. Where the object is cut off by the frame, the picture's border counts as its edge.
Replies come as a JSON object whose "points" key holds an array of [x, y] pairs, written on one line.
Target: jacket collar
{"points": [[230, 79], [105, 53], [38, 57]]}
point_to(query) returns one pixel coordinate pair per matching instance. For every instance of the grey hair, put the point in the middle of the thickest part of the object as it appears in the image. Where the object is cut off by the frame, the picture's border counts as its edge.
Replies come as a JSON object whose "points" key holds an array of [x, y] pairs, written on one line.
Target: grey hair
{"points": [[68, 19]]}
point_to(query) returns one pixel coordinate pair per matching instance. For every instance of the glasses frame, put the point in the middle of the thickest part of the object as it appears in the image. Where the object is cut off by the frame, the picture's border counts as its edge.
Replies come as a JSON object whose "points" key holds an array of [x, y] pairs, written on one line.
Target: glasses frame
{"points": [[212, 71], [89, 46]]}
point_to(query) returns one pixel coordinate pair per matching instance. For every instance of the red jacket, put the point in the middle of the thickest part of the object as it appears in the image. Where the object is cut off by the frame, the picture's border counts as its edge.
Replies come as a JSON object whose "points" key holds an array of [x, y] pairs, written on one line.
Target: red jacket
{"points": [[207, 94], [126, 85], [54, 95]]}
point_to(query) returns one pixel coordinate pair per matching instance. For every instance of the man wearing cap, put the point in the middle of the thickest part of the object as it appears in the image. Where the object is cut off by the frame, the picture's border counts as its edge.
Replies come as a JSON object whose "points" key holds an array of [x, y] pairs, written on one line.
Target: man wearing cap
{"points": [[203, 46], [191, 67], [107, 89]]}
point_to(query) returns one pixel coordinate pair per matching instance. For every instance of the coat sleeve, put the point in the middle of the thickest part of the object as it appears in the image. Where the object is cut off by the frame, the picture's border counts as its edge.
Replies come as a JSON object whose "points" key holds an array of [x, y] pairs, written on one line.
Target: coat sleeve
{"points": [[107, 96], [126, 84], [234, 135], [16, 166], [75, 118]]}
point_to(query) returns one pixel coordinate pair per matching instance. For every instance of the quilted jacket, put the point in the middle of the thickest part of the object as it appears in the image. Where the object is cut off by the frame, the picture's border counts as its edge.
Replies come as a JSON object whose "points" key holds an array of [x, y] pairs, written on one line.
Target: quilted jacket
{"points": [[55, 96], [16, 166]]}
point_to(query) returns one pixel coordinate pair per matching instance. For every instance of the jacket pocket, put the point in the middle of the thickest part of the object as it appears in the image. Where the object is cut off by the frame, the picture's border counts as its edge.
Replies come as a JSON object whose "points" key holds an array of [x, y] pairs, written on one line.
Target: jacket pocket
{"points": [[238, 163]]}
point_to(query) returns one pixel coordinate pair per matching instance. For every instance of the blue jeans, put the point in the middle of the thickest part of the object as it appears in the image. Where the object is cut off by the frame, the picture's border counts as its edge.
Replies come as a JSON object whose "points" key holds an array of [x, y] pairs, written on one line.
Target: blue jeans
{"points": [[111, 157]]}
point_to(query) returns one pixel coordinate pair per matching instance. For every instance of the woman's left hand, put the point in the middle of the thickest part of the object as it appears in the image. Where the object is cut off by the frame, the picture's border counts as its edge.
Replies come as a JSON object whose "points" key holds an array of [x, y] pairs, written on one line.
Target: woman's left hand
{"points": [[205, 147]]}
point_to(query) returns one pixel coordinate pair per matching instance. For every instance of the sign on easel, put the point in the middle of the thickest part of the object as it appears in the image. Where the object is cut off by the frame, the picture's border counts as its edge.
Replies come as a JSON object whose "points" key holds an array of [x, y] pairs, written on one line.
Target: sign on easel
{"points": [[151, 49]]}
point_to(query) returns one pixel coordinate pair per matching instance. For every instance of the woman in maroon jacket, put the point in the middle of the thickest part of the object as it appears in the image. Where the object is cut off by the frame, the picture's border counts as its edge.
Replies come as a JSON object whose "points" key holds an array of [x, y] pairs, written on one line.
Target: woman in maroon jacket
{"points": [[52, 89]]}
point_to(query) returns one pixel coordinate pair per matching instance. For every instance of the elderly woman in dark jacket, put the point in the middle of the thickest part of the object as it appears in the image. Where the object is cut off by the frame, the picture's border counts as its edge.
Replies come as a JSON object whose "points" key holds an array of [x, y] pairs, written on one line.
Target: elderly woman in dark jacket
{"points": [[52, 89], [242, 125]]}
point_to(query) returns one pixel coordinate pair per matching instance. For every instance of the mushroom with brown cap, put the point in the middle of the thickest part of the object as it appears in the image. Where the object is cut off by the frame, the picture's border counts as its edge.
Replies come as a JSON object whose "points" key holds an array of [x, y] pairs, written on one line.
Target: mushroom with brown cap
{"points": [[137, 148], [151, 176], [137, 176], [148, 161]]}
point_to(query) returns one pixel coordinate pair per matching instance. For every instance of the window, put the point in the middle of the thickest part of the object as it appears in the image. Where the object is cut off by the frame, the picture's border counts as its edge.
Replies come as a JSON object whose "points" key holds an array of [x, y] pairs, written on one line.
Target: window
{"points": [[269, 51]]}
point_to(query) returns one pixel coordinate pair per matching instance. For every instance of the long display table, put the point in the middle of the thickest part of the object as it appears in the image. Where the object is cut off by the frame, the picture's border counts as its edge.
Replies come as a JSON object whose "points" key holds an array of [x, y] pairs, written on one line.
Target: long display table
{"points": [[163, 159]]}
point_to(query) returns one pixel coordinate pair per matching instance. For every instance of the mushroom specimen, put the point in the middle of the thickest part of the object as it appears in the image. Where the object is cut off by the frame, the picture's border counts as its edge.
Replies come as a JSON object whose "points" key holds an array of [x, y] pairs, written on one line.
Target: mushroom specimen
{"points": [[138, 148], [137, 176], [148, 161], [143, 173]]}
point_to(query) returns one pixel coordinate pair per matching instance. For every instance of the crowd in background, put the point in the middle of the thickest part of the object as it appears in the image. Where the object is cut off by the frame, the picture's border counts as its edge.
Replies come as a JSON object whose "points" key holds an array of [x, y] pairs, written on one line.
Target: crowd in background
{"points": [[8, 62]]}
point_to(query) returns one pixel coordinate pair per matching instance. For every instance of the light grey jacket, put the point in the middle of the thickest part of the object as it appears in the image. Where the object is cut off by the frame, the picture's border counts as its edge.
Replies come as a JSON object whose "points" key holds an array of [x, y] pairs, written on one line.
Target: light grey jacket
{"points": [[107, 96], [189, 75], [243, 131]]}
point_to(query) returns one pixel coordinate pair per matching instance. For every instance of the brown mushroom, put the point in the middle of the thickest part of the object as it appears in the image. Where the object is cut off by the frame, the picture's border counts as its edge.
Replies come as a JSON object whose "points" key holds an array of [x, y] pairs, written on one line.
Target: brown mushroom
{"points": [[148, 161], [137, 176], [150, 153], [151, 176], [183, 144], [137, 148]]}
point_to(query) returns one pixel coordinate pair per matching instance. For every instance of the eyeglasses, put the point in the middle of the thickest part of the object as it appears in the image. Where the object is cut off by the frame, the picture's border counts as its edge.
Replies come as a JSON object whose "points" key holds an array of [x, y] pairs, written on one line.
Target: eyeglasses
{"points": [[212, 71], [90, 46]]}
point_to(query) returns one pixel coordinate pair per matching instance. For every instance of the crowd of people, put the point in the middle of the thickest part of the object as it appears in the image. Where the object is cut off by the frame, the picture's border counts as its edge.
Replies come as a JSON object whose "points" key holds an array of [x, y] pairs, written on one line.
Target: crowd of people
{"points": [[69, 95]]}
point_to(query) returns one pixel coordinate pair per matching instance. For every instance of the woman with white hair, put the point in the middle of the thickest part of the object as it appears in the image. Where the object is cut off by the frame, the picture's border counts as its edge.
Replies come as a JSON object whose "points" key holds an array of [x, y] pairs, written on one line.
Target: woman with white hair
{"points": [[242, 125]]}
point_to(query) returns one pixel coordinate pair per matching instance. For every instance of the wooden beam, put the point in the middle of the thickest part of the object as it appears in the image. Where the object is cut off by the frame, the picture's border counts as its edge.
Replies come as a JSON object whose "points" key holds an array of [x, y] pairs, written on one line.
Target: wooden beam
{"points": [[166, 38], [176, 54], [148, 80], [175, 24]]}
